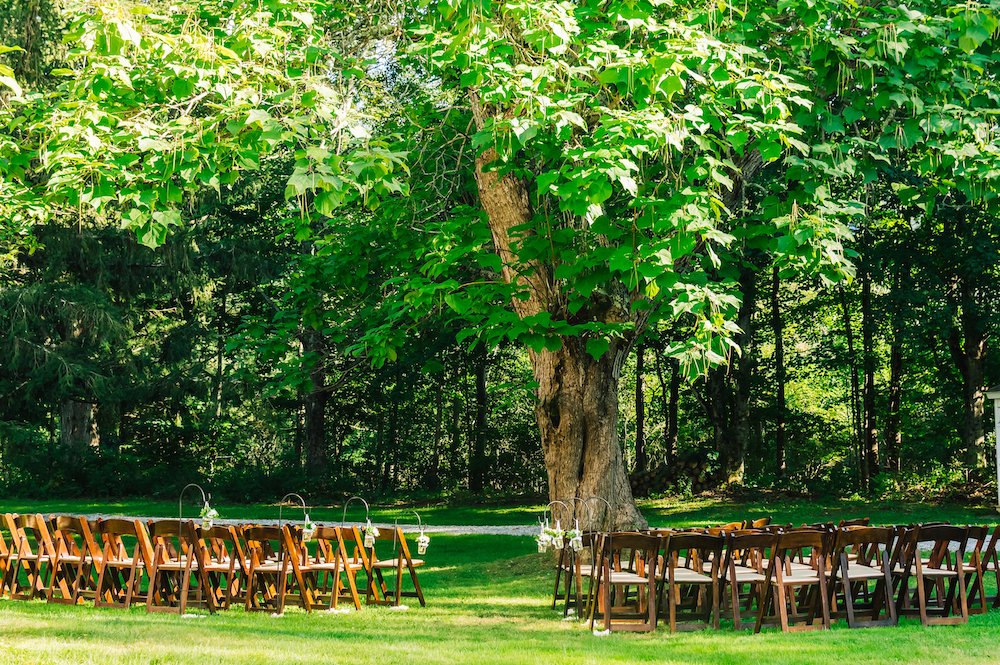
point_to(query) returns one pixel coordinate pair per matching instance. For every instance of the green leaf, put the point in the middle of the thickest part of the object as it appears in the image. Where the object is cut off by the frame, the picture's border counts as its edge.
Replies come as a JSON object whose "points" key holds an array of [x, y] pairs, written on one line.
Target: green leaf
{"points": [[597, 347]]}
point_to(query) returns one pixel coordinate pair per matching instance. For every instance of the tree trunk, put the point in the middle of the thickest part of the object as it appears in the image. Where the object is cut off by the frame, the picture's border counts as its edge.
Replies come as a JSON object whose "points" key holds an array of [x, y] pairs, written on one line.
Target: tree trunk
{"points": [[893, 434], [78, 427], [577, 412], [432, 479], [669, 396], [477, 455], [968, 344], [641, 459], [577, 407], [780, 463], [314, 406], [869, 449], [855, 386]]}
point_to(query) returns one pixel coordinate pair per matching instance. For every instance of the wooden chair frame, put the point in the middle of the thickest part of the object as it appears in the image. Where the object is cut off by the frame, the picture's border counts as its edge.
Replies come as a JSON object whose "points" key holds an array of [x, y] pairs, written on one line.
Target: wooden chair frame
{"points": [[76, 557], [113, 589], [745, 553], [781, 578], [334, 572], [692, 562], [178, 559], [269, 577], [400, 561], [615, 578], [34, 560], [872, 547], [224, 563], [941, 572]]}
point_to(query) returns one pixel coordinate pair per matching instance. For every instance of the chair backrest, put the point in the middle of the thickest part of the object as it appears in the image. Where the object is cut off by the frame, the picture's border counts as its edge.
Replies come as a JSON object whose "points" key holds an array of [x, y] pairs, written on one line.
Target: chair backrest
{"points": [[223, 544], [729, 526], [30, 534], [268, 542], [750, 547], [398, 539], [861, 521], [948, 542], [758, 523], [694, 549], [641, 551], [72, 535], [115, 531], [797, 541], [174, 538]]}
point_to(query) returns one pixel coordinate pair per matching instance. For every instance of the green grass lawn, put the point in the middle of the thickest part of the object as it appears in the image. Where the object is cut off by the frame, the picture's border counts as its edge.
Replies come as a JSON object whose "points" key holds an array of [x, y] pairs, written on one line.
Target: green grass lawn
{"points": [[487, 603]]}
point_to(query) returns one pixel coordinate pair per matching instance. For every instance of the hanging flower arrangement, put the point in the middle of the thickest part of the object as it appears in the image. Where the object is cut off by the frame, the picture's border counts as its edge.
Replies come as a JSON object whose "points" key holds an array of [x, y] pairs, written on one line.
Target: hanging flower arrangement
{"points": [[371, 533], [423, 540], [208, 516], [575, 537], [308, 529]]}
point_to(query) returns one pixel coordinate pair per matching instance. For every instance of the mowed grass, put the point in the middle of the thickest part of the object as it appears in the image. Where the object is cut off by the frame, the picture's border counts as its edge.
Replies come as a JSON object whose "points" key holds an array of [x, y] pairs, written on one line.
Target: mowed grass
{"points": [[672, 512], [488, 602]]}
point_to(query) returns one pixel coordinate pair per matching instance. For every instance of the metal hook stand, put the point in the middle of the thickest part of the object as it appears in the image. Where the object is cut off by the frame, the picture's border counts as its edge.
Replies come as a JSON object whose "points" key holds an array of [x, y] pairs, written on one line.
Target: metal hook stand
{"points": [[305, 510], [606, 503], [180, 500], [343, 518]]}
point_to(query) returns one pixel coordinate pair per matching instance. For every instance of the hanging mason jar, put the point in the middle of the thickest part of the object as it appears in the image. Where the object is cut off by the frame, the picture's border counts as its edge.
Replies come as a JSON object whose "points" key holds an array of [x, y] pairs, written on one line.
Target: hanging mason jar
{"points": [[422, 542]]}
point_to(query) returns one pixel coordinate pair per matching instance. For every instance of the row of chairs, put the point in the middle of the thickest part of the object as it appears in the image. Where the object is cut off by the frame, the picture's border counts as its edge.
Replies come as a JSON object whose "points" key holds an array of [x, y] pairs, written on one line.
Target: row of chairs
{"points": [[798, 578], [171, 565]]}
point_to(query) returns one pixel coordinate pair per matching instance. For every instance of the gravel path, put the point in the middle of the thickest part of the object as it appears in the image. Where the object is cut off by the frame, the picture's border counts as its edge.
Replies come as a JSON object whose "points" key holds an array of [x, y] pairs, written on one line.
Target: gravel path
{"points": [[515, 530]]}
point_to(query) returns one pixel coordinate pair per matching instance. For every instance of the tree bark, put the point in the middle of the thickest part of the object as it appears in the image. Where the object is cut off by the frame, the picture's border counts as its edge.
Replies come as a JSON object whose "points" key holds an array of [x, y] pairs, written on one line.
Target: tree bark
{"points": [[477, 456], [893, 433], [780, 463], [669, 396], [314, 406], [855, 384], [577, 408], [78, 427], [968, 343], [641, 458]]}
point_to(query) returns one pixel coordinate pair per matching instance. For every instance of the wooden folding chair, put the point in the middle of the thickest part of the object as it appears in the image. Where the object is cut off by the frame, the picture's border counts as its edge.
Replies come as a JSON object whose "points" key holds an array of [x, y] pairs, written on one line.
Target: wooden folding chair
{"points": [[689, 575], [31, 554], [989, 566], [759, 523], [792, 587], [975, 587], [628, 561], [5, 549], [358, 555], [278, 570], [76, 557], [744, 567], [178, 559], [114, 589], [871, 563], [225, 565], [334, 572], [940, 579], [398, 562], [575, 567]]}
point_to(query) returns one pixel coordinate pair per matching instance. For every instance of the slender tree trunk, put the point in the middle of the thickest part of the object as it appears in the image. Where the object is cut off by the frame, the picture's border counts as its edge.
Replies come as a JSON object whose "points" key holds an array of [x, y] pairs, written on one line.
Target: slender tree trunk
{"points": [[869, 464], [669, 395], [968, 343], [780, 464], [641, 458], [433, 477], [893, 434], [577, 408], [477, 456], [220, 357], [855, 385], [314, 402]]}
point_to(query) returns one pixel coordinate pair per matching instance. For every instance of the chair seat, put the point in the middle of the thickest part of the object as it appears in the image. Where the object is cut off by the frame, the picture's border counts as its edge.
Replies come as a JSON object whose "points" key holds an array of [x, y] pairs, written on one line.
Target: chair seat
{"points": [[688, 576], [220, 567], [797, 577], [793, 565], [335, 566], [747, 575], [72, 558], [625, 577], [391, 563], [176, 565], [928, 572], [856, 571], [585, 568]]}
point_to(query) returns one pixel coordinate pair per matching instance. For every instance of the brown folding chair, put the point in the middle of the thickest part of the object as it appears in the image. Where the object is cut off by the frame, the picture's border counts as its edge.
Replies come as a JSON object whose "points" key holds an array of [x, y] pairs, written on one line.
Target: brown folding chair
{"points": [[989, 566], [31, 554], [278, 570], [626, 582], [178, 559], [577, 567], [689, 575], [792, 588], [744, 567], [758, 523], [5, 549], [334, 572], [224, 563], [871, 564], [358, 555], [396, 563], [76, 556], [114, 589], [940, 579], [975, 586]]}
